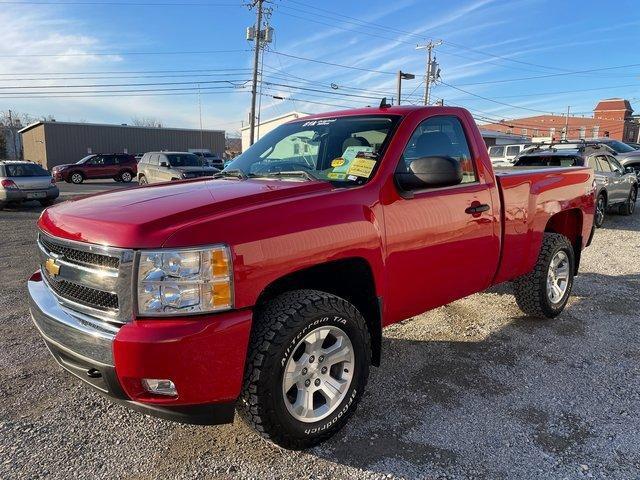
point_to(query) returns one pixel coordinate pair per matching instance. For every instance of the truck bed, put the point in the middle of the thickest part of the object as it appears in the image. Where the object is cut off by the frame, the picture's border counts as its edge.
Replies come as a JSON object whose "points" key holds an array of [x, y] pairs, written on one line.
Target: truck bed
{"points": [[530, 197]]}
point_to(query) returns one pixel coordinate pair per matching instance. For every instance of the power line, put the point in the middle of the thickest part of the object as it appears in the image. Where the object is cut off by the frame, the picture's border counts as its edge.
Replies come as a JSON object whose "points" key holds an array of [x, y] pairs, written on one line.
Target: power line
{"points": [[129, 71], [120, 4], [119, 54], [382, 72], [105, 85]]}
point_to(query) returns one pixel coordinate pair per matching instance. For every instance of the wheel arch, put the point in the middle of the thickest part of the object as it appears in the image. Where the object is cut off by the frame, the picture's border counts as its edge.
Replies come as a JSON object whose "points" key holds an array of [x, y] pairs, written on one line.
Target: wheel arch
{"points": [[569, 223], [350, 278]]}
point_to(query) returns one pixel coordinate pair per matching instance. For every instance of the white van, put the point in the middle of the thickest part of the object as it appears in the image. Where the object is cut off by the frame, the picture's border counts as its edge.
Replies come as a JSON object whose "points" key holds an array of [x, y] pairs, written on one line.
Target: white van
{"points": [[505, 154]]}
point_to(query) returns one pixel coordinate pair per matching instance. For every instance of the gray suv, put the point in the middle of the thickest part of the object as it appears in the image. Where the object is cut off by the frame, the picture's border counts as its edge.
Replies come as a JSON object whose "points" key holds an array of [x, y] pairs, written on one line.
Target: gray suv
{"points": [[156, 167], [617, 186]]}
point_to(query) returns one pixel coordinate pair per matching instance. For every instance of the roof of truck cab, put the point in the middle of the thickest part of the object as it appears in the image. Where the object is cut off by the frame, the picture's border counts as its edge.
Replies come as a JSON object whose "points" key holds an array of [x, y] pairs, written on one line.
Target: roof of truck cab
{"points": [[402, 110]]}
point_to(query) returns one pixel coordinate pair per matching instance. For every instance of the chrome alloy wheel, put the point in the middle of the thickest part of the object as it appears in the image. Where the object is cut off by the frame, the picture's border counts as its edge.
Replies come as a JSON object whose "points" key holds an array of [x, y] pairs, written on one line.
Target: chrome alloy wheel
{"points": [[126, 177], [76, 178], [318, 375], [558, 277]]}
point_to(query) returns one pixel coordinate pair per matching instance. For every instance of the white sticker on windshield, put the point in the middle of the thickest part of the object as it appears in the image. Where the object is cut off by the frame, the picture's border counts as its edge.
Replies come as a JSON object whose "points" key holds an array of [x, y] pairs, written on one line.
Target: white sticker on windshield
{"points": [[313, 123]]}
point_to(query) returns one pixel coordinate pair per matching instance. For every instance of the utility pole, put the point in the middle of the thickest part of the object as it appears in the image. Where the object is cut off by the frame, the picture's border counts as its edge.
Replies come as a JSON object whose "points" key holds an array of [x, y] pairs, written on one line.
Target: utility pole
{"points": [[432, 71], [13, 137], [256, 59], [565, 132], [403, 76]]}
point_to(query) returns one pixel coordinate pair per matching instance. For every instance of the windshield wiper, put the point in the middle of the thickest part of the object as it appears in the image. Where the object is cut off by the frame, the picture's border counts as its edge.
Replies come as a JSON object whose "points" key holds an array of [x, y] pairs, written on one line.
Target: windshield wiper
{"points": [[235, 172], [291, 173]]}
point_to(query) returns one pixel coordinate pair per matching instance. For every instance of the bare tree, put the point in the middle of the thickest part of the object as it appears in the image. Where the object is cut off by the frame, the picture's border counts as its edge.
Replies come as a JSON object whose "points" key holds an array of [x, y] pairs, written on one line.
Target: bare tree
{"points": [[146, 122], [17, 119]]}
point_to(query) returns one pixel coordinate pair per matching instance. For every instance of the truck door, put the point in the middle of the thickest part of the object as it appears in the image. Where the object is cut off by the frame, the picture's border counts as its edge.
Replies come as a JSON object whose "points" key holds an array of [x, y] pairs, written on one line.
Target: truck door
{"points": [[611, 180], [442, 243]]}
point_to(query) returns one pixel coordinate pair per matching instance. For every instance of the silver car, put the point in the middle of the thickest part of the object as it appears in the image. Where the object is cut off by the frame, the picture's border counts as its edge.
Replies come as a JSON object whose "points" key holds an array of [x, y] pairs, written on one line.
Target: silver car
{"points": [[156, 167], [22, 181]]}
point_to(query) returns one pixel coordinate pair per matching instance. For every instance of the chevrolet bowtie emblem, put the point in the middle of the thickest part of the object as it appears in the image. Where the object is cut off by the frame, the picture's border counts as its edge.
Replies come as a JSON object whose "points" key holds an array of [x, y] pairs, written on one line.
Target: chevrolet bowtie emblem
{"points": [[52, 267]]}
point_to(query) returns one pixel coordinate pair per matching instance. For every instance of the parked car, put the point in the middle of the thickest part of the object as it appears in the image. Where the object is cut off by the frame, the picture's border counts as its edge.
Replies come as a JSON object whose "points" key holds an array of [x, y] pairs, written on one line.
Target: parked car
{"points": [[266, 288], [210, 159], [627, 155], [22, 181], [158, 167], [617, 188], [503, 155], [122, 167], [634, 145]]}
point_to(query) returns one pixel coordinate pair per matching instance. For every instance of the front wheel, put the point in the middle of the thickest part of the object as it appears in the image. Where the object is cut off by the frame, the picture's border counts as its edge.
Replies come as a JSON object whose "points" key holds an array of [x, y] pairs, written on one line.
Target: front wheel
{"points": [[307, 368], [142, 180], [545, 290], [126, 177], [628, 207], [77, 178], [601, 207]]}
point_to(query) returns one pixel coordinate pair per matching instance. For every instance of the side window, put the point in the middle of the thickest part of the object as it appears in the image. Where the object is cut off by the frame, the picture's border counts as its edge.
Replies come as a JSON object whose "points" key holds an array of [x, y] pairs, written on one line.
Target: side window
{"points": [[604, 164], [593, 163], [441, 136], [109, 160], [97, 160], [615, 165], [514, 150], [154, 159], [496, 152]]}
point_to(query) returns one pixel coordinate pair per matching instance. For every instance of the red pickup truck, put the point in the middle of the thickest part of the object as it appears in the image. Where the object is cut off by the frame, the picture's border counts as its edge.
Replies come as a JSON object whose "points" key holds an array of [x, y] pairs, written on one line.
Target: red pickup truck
{"points": [[266, 289]]}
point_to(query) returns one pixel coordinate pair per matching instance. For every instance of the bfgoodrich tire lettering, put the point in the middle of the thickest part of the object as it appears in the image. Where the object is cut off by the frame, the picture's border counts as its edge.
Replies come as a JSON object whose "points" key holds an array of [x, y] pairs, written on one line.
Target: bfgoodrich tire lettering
{"points": [[278, 328], [532, 291]]}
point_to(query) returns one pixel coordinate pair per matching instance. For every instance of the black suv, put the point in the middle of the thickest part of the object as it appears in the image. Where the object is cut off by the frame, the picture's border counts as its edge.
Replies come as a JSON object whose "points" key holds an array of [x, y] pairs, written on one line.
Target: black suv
{"points": [[617, 186]]}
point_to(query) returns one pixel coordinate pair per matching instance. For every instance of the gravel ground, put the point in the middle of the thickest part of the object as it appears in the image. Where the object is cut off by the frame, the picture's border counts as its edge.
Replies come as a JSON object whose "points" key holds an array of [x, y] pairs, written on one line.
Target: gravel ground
{"points": [[470, 390]]}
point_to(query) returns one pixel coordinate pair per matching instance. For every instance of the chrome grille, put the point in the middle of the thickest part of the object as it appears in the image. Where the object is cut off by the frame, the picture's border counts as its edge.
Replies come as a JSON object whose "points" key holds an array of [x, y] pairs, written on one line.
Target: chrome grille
{"points": [[86, 296], [90, 279], [78, 256]]}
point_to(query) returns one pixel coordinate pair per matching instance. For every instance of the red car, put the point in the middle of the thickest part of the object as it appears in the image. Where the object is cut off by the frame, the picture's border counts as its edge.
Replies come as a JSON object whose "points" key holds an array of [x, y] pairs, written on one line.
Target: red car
{"points": [[266, 288], [122, 167]]}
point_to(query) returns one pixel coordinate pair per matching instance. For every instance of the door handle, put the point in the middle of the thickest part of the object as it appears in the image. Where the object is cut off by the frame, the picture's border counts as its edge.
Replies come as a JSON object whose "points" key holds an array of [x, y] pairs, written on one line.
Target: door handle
{"points": [[477, 209]]}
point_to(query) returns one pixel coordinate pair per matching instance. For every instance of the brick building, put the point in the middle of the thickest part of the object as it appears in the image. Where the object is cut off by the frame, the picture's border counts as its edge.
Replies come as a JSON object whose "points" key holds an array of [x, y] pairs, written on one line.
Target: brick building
{"points": [[611, 118]]}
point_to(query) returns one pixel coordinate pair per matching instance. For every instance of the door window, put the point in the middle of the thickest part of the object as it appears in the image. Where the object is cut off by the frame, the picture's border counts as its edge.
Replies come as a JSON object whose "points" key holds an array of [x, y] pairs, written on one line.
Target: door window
{"points": [[604, 164], [615, 165], [496, 152], [593, 163], [96, 161], [441, 136], [154, 160], [513, 151]]}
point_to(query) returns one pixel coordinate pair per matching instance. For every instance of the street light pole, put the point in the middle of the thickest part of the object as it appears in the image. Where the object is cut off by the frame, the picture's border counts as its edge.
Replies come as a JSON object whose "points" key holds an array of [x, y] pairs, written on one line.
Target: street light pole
{"points": [[403, 76]]}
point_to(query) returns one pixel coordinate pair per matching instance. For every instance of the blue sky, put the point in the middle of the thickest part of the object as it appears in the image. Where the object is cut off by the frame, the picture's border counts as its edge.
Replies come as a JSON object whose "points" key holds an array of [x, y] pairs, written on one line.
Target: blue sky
{"points": [[486, 44]]}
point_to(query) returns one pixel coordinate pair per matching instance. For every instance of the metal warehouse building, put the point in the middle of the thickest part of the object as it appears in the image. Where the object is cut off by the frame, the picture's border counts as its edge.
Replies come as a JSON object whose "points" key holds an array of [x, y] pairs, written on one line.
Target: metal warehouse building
{"points": [[55, 143]]}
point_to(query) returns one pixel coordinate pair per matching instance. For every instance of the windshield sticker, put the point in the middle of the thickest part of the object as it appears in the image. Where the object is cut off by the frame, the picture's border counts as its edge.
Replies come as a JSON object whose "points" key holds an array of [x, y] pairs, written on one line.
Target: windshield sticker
{"points": [[361, 167], [314, 123], [352, 177], [338, 162], [351, 152], [336, 176]]}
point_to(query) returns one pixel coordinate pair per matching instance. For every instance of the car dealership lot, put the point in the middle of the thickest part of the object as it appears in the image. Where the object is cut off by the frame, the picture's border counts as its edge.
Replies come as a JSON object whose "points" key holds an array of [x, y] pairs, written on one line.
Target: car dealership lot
{"points": [[470, 390]]}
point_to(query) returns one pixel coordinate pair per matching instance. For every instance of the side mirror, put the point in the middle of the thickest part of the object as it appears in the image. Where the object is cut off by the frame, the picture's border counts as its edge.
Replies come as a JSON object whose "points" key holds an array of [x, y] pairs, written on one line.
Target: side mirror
{"points": [[430, 172], [629, 170], [164, 164]]}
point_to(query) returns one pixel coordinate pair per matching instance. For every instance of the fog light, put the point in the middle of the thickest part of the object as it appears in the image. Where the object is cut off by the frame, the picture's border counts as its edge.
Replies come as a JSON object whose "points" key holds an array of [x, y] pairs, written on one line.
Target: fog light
{"points": [[159, 387]]}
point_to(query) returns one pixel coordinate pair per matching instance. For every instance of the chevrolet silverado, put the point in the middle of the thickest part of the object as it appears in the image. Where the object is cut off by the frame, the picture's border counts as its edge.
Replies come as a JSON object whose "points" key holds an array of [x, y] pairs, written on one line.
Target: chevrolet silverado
{"points": [[266, 288]]}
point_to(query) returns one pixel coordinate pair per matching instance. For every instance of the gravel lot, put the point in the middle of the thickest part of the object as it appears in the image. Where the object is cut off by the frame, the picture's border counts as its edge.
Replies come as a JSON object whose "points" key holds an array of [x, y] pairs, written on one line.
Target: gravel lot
{"points": [[470, 390]]}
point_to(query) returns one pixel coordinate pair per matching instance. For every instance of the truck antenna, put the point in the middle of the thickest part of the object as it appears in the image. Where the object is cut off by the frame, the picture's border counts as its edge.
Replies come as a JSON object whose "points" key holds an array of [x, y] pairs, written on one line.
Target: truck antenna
{"points": [[383, 103]]}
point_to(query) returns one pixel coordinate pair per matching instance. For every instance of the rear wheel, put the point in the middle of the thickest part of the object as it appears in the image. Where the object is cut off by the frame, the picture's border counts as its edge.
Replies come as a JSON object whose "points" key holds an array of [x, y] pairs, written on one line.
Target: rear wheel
{"points": [[628, 207], [142, 180], [545, 290], [77, 178], [307, 368], [601, 207], [126, 177]]}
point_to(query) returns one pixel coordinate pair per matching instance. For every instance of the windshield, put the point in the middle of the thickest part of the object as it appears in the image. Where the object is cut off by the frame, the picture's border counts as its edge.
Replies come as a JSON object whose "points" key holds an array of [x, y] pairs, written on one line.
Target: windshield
{"points": [[184, 160], [548, 161], [83, 160], [343, 149], [495, 152], [25, 170], [620, 147]]}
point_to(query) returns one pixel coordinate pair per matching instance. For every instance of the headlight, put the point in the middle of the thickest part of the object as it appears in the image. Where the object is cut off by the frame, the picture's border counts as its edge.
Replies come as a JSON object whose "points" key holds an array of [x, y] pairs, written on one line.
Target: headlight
{"points": [[178, 282]]}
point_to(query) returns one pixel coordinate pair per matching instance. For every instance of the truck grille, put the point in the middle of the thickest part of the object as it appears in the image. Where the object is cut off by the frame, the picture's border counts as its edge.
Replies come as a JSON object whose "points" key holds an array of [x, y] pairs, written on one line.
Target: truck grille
{"points": [[78, 256], [84, 295], [91, 279]]}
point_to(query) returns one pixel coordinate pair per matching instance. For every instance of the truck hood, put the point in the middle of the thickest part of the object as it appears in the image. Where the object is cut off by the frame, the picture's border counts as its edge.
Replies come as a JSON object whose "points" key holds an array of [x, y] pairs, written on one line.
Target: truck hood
{"points": [[145, 217]]}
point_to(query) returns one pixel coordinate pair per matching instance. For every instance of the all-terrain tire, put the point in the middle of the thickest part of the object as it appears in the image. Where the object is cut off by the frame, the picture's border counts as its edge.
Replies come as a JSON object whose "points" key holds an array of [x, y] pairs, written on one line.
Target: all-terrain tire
{"points": [[531, 290], [278, 328]]}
